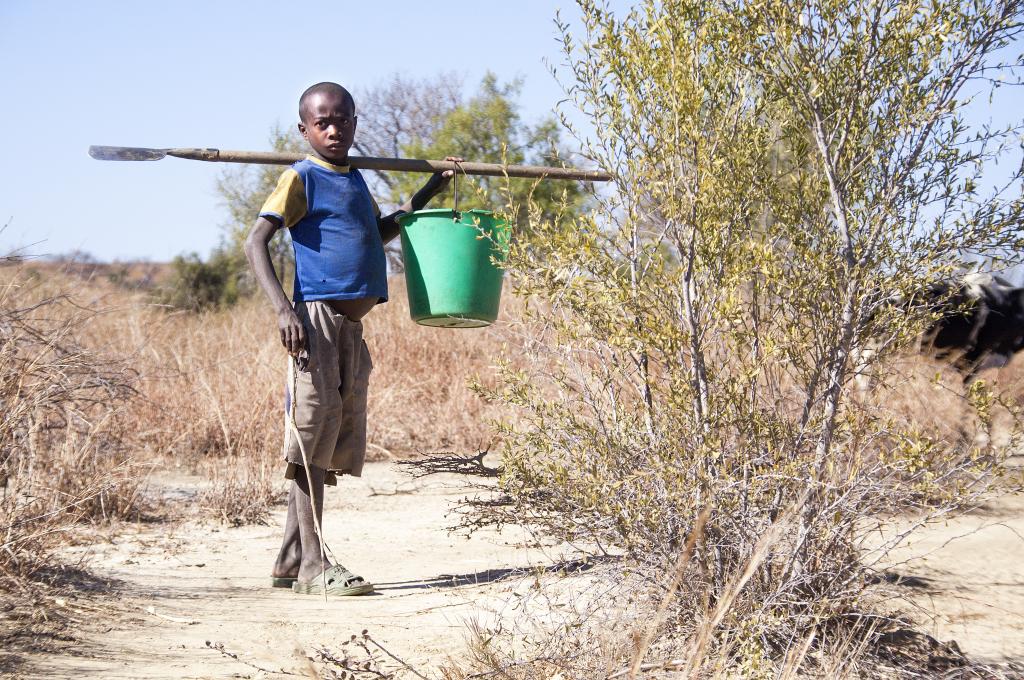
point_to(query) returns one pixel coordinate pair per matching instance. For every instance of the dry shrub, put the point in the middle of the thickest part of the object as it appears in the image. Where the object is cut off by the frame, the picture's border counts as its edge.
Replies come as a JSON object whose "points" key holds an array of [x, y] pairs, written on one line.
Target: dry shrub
{"points": [[214, 382], [244, 496], [620, 623], [419, 395], [769, 167], [64, 454], [210, 386], [785, 576]]}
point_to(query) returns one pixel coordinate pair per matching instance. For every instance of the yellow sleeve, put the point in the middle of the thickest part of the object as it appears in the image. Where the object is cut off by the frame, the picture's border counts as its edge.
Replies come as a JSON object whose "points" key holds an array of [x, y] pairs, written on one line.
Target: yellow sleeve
{"points": [[287, 203]]}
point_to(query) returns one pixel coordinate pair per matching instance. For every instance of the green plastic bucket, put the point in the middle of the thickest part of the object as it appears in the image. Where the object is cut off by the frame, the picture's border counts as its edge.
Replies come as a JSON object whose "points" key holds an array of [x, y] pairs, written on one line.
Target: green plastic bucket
{"points": [[449, 273]]}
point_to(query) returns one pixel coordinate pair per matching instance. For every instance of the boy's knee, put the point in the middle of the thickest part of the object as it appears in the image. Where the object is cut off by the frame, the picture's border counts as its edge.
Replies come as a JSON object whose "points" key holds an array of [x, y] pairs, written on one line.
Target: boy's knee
{"points": [[297, 473]]}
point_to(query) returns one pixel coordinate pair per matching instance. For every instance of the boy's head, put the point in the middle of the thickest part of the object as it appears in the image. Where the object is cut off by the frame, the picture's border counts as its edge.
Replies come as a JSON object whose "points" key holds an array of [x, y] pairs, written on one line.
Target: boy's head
{"points": [[327, 115]]}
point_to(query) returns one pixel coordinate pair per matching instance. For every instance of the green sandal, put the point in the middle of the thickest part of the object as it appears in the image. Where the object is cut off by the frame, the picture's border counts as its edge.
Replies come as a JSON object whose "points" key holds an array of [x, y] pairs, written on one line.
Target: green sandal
{"points": [[340, 581], [282, 581]]}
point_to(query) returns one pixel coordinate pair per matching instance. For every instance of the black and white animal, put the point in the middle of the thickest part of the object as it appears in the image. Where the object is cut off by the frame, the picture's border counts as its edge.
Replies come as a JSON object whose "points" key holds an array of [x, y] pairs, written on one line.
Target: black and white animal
{"points": [[982, 323]]}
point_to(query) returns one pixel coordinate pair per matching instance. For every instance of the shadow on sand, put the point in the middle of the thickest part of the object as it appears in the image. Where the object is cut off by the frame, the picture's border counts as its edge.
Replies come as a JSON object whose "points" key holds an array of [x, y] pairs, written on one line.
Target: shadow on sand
{"points": [[565, 567]]}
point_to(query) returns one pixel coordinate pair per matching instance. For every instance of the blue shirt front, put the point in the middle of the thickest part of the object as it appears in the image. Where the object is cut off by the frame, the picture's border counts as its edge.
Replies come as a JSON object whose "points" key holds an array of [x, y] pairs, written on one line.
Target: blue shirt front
{"points": [[332, 219]]}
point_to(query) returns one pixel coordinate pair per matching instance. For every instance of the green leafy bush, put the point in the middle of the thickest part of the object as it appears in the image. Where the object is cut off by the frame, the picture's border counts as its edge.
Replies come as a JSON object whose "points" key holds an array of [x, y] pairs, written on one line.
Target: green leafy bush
{"points": [[196, 285], [783, 172]]}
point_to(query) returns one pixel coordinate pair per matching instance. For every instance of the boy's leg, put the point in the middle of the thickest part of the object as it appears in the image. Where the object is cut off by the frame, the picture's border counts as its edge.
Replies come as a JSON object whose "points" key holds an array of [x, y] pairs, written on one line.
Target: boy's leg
{"points": [[315, 404], [290, 555], [312, 561]]}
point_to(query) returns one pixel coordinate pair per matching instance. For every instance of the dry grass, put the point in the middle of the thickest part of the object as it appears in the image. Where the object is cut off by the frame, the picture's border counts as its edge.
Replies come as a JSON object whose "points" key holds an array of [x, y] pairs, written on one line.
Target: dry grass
{"points": [[214, 384], [210, 386], [101, 386], [931, 394], [65, 457]]}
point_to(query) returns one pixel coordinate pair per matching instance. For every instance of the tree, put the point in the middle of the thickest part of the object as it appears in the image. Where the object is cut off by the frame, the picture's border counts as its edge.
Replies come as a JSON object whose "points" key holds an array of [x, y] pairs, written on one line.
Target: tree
{"points": [[487, 128], [788, 177], [399, 113]]}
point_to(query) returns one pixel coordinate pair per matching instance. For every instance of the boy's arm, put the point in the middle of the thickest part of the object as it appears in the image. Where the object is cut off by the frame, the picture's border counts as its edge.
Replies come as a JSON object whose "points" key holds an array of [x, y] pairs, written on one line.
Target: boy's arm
{"points": [[437, 183], [293, 335]]}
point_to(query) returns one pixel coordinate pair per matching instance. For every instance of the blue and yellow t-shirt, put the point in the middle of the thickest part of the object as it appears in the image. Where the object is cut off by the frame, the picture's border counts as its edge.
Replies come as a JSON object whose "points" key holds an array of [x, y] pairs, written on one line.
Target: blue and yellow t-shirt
{"points": [[332, 219]]}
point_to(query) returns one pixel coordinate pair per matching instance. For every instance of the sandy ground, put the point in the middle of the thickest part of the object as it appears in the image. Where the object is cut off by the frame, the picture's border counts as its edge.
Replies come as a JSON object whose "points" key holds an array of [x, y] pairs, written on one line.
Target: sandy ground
{"points": [[965, 580], [181, 586]]}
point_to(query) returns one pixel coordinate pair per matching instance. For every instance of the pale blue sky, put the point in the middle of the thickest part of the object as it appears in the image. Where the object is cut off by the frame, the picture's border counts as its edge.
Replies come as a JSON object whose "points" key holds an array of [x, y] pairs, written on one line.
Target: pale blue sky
{"points": [[208, 73], [218, 73]]}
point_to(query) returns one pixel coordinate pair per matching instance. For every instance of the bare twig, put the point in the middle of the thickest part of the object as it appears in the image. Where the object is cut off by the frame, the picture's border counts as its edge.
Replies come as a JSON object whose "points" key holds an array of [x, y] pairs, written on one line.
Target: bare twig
{"points": [[173, 619], [450, 463], [219, 647], [676, 572]]}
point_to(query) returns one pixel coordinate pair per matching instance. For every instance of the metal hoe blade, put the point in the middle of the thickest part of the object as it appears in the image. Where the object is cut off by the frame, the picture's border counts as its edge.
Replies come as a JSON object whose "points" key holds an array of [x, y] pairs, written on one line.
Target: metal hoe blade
{"points": [[126, 153]]}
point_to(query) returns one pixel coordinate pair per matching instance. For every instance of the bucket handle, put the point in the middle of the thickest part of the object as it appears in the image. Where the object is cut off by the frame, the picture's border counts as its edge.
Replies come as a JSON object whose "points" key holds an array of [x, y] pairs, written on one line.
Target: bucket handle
{"points": [[455, 191]]}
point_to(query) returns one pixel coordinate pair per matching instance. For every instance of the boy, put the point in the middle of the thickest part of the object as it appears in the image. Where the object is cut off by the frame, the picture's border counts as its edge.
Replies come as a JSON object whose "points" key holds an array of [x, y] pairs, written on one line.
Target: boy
{"points": [[338, 235]]}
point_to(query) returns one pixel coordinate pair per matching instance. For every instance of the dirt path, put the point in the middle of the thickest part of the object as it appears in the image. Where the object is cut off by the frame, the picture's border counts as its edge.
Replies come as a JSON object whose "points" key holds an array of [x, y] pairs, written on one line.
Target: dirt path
{"points": [[193, 583], [967, 580], [181, 586]]}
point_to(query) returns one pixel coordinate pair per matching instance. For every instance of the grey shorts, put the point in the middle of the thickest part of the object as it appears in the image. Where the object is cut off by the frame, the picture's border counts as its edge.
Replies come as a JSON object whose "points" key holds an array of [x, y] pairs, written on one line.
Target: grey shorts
{"points": [[328, 395]]}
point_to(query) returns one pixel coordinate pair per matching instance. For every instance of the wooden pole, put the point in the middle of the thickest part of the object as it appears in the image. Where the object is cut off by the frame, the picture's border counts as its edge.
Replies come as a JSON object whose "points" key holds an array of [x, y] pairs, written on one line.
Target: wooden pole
{"points": [[121, 153]]}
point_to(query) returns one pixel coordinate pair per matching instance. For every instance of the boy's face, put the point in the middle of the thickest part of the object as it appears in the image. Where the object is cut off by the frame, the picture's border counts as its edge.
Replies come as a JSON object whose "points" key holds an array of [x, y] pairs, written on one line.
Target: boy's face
{"points": [[329, 125]]}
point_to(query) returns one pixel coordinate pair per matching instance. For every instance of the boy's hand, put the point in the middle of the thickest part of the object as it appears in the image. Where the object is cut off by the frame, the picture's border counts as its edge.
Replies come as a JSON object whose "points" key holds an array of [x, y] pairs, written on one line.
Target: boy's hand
{"points": [[443, 178], [436, 184], [293, 335]]}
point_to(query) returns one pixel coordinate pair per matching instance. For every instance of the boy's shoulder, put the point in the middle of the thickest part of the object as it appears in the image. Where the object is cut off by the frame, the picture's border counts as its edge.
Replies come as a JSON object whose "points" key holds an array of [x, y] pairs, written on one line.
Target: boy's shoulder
{"points": [[314, 171], [301, 168], [311, 165], [342, 182], [312, 184]]}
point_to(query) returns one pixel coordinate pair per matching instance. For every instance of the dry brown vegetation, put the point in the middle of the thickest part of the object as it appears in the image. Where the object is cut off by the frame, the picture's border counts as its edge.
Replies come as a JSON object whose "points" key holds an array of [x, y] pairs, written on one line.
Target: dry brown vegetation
{"points": [[64, 453], [100, 386], [676, 622]]}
